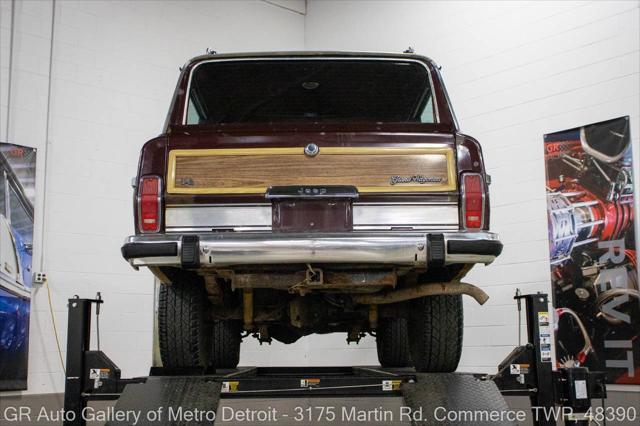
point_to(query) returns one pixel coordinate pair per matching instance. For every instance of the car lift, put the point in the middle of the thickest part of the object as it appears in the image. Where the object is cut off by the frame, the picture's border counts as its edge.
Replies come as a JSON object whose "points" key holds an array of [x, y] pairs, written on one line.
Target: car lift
{"points": [[527, 371]]}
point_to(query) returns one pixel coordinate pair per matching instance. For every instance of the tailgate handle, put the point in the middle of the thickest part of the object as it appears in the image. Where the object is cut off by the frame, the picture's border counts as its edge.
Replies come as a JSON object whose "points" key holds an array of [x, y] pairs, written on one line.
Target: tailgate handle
{"points": [[312, 192]]}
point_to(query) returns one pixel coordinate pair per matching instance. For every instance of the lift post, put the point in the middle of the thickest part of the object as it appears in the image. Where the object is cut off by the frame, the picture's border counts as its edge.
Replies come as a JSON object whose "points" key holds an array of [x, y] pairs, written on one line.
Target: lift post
{"points": [[528, 371], [90, 375], [78, 339]]}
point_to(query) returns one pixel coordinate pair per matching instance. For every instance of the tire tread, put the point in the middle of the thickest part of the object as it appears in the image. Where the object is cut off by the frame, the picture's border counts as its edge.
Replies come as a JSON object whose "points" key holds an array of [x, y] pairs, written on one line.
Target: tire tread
{"points": [[435, 333], [226, 344], [183, 330], [392, 343]]}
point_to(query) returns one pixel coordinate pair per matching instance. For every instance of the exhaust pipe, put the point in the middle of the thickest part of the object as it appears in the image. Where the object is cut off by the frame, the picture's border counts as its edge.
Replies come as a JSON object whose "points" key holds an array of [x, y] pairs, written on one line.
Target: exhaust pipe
{"points": [[430, 289]]}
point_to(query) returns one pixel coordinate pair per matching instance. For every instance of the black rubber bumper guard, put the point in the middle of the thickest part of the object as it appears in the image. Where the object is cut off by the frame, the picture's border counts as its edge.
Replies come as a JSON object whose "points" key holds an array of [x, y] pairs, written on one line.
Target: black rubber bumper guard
{"points": [[189, 250], [484, 247]]}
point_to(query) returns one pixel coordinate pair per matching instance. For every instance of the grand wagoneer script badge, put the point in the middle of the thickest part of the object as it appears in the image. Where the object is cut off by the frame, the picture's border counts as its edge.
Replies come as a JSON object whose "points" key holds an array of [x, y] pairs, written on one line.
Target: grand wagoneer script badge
{"points": [[414, 179]]}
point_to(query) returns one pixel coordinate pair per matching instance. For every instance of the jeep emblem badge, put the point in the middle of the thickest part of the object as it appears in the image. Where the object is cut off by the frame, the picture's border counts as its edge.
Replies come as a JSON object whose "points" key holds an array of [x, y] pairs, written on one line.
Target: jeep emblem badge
{"points": [[311, 150]]}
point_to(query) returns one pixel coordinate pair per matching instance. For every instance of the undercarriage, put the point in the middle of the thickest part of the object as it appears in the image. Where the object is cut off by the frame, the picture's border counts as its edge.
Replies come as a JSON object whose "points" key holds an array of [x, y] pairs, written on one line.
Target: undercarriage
{"points": [[286, 303], [402, 308]]}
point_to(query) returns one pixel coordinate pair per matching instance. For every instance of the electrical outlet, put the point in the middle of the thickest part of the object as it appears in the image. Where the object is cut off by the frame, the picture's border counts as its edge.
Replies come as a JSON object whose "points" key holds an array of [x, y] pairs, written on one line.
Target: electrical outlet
{"points": [[39, 277]]}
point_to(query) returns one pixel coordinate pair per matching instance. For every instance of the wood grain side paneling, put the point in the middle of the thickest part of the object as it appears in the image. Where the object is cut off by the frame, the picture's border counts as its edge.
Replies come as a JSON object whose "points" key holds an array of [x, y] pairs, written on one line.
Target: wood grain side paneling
{"points": [[220, 171]]}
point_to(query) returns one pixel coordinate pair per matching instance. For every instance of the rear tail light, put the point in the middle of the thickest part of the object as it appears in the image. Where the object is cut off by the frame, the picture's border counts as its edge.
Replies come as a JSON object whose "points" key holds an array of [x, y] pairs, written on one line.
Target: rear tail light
{"points": [[472, 201], [149, 203]]}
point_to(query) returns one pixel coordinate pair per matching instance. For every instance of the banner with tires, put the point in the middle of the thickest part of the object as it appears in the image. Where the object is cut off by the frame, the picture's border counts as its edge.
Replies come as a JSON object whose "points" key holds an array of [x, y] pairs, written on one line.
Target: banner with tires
{"points": [[17, 197], [592, 248]]}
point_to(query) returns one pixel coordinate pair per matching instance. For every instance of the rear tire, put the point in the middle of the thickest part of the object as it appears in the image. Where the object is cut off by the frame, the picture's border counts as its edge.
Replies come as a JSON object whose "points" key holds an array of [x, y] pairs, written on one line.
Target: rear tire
{"points": [[183, 326], [435, 328], [226, 344], [392, 341]]}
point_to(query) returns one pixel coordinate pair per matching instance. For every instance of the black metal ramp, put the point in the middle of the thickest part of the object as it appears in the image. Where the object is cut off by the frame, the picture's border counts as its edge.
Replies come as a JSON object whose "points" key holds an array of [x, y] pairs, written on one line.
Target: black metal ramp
{"points": [[440, 397], [434, 399], [169, 401]]}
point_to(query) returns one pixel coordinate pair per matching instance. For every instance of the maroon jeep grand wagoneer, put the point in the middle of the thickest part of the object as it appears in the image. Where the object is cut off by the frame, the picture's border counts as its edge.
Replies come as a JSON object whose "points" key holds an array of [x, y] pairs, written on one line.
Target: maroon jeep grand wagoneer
{"points": [[311, 192]]}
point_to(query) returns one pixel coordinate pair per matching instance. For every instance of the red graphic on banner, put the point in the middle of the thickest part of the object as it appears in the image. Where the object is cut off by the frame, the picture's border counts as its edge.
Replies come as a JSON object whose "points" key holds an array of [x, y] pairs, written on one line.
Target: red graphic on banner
{"points": [[592, 249]]}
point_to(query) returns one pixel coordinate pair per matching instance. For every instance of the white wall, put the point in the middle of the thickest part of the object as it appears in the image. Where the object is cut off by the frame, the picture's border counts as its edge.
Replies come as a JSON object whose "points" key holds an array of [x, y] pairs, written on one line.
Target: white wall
{"points": [[115, 66], [515, 71]]}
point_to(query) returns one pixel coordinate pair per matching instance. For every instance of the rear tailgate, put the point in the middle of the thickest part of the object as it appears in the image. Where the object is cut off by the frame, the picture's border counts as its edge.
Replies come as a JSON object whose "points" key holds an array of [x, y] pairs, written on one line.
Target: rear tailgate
{"points": [[218, 182]]}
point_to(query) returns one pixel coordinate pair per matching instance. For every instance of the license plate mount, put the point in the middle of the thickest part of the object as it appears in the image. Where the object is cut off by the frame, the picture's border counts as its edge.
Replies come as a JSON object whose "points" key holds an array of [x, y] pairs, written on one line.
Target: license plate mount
{"points": [[312, 208]]}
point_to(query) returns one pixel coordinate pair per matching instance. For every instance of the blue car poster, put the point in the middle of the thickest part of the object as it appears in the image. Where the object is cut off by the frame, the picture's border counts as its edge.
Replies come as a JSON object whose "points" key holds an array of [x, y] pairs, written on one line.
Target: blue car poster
{"points": [[17, 196]]}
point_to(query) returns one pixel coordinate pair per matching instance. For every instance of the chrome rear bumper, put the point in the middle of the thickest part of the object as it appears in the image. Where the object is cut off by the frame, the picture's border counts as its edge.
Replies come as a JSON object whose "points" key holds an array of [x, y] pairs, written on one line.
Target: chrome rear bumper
{"points": [[423, 249]]}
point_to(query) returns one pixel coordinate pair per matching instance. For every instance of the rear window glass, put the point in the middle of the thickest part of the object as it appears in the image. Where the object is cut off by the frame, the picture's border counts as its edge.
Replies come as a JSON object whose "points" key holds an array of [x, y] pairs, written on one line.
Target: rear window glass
{"points": [[327, 90]]}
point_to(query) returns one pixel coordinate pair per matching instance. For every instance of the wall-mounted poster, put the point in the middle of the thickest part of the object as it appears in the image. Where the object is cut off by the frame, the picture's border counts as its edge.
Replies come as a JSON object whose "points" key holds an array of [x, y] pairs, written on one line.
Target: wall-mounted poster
{"points": [[592, 248], [17, 192]]}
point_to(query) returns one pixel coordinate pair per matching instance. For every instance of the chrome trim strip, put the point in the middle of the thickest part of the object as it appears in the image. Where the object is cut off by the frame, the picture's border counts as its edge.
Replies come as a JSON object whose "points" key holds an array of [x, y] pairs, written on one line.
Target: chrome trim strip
{"points": [[155, 261], [315, 58], [220, 216], [184, 206], [258, 216], [357, 228], [405, 215], [198, 229], [441, 201], [392, 248], [404, 228]]}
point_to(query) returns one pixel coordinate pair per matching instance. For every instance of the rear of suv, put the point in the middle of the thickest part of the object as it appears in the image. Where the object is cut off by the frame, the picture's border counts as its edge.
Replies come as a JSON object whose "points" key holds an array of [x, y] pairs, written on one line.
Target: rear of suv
{"points": [[314, 192]]}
